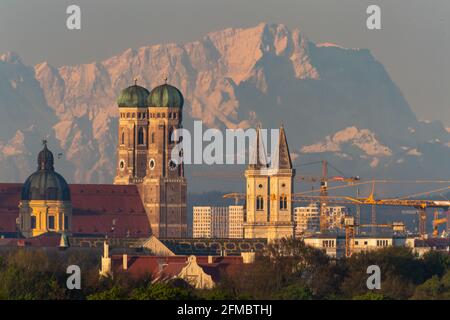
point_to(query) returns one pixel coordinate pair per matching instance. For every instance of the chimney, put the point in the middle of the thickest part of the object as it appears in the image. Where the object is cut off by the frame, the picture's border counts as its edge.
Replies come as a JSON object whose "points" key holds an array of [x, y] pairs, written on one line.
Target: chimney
{"points": [[210, 259], [125, 262]]}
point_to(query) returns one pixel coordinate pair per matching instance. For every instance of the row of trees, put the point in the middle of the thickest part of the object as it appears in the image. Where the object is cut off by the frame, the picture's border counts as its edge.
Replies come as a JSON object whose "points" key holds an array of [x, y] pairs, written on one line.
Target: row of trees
{"points": [[288, 269]]}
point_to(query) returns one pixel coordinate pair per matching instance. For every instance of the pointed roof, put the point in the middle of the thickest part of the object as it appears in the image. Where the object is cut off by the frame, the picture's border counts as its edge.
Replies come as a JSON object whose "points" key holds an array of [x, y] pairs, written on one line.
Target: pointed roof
{"points": [[64, 241], [258, 159], [282, 156]]}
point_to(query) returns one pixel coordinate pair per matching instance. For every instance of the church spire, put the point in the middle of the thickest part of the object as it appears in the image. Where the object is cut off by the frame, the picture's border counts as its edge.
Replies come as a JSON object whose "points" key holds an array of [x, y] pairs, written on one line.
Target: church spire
{"points": [[282, 159], [258, 159]]}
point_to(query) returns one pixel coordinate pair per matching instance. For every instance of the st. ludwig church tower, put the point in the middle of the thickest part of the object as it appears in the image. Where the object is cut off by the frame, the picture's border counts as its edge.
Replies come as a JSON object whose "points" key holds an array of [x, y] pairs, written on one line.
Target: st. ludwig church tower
{"points": [[146, 126], [269, 192]]}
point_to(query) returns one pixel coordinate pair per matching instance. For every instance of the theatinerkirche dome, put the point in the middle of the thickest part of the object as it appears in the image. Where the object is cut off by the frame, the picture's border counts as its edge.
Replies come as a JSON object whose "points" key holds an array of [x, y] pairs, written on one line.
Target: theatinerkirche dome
{"points": [[45, 183]]}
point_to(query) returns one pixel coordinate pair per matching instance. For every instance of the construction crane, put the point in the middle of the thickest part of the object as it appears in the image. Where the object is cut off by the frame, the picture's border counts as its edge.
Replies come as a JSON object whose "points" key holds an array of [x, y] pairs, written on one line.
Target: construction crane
{"points": [[324, 179], [350, 231], [438, 221], [420, 205]]}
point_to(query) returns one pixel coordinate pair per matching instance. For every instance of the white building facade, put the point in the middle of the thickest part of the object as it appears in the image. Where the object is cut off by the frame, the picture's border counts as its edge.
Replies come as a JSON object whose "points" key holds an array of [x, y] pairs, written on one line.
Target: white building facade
{"points": [[306, 219], [218, 222]]}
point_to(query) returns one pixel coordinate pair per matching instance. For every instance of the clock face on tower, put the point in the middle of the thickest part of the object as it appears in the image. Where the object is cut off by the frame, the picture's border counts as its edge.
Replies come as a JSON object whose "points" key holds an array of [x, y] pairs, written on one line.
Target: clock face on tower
{"points": [[122, 164], [151, 164]]}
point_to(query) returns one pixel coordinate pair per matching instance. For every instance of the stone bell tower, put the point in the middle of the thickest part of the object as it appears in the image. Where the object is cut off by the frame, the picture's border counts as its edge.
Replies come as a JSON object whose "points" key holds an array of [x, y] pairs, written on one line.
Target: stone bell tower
{"points": [[269, 192], [133, 135], [164, 187]]}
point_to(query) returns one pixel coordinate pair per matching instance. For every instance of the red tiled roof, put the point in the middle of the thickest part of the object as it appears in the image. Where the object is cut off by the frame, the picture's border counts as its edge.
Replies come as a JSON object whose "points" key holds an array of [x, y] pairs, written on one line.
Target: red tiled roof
{"points": [[50, 240], [9, 210], [163, 268], [115, 210]]}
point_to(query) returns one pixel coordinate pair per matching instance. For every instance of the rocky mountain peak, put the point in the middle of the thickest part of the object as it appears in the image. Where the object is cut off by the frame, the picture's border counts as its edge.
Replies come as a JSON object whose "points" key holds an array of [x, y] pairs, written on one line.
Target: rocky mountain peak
{"points": [[332, 100]]}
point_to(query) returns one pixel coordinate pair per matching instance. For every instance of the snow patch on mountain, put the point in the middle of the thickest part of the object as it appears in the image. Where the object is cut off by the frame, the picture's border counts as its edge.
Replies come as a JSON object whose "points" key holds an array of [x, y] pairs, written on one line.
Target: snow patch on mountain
{"points": [[363, 139]]}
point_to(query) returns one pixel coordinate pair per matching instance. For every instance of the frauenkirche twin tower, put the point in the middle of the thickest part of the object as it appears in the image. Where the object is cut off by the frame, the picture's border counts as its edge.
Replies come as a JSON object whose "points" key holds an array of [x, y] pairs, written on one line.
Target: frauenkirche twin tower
{"points": [[146, 123]]}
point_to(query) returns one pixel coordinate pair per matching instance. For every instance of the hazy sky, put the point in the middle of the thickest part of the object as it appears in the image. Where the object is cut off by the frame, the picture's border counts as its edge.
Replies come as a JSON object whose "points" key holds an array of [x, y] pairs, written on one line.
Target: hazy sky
{"points": [[414, 44]]}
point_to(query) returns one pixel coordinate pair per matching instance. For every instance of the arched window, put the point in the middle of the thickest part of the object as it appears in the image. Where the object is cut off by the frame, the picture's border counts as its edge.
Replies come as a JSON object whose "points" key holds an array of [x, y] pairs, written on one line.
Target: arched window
{"points": [[122, 140], [259, 203], [283, 202], [141, 136]]}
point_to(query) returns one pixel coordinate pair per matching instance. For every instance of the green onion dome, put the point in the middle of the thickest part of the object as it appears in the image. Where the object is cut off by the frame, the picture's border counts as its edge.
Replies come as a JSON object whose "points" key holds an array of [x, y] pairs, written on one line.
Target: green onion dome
{"points": [[133, 96], [166, 95]]}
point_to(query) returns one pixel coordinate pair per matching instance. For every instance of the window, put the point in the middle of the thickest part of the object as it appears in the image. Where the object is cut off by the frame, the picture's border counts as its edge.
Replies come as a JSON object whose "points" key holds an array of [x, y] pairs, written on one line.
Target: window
{"points": [[382, 243], [328, 243], [283, 202], [259, 203], [66, 222], [171, 136], [123, 137], [141, 136], [33, 222], [51, 222], [153, 137]]}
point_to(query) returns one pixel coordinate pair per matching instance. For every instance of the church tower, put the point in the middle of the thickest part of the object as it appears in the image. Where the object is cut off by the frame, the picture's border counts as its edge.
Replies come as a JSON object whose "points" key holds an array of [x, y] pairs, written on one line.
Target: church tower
{"points": [[164, 187], [269, 192], [258, 188], [281, 189], [133, 135]]}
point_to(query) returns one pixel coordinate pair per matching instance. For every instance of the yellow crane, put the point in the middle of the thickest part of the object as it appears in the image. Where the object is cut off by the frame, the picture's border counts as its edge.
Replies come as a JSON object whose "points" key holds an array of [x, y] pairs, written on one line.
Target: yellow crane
{"points": [[438, 221], [324, 179], [420, 204]]}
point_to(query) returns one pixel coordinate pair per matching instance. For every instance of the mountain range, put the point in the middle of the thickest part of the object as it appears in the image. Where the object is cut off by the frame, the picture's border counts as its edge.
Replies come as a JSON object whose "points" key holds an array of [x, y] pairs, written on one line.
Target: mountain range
{"points": [[336, 103]]}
